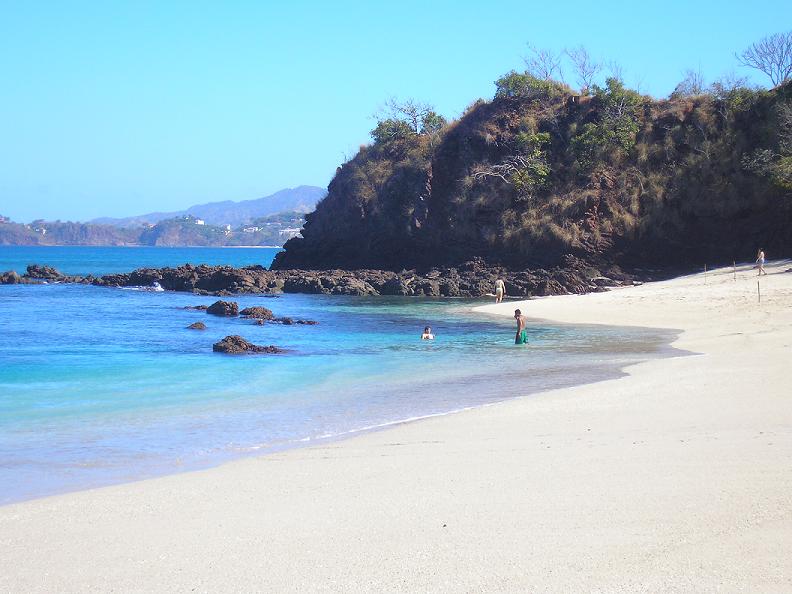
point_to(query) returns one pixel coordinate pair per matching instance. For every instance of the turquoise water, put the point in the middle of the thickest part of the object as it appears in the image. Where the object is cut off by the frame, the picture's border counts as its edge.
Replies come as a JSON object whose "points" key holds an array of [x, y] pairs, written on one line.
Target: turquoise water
{"points": [[103, 385], [82, 261]]}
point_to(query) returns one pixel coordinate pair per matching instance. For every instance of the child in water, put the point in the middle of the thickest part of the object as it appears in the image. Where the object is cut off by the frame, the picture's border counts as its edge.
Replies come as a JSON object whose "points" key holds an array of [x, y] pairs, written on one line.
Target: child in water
{"points": [[427, 334]]}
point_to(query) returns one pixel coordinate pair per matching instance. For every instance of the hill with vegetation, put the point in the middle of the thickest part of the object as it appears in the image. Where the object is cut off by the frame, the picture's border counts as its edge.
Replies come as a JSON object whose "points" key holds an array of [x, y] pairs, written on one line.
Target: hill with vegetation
{"points": [[540, 172]]}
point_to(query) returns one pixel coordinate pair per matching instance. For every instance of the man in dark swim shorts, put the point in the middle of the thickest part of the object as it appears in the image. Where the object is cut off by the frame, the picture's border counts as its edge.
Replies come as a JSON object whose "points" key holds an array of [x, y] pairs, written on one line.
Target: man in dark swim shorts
{"points": [[522, 336]]}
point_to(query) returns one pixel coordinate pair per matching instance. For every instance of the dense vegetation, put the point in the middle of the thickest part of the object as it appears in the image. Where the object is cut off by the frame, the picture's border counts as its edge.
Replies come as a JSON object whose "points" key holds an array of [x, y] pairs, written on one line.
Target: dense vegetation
{"points": [[541, 171]]}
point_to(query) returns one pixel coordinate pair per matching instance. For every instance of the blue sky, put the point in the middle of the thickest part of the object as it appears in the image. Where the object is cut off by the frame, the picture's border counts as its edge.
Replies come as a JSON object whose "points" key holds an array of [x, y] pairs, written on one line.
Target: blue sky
{"points": [[120, 108]]}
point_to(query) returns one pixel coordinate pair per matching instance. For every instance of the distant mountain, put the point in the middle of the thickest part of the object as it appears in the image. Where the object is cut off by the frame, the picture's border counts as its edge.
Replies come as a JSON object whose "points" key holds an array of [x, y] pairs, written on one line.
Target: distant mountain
{"points": [[185, 230], [300, 199]]}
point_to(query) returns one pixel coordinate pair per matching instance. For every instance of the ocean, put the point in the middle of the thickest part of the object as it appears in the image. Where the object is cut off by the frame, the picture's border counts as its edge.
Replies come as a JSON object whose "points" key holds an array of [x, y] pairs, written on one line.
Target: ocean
{"points": [[105, 385]]}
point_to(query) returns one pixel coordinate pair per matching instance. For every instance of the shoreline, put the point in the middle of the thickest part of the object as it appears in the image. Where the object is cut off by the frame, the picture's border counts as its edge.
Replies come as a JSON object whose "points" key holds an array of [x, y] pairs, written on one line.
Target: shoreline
{"points": [[604, 371], [675, 477]]}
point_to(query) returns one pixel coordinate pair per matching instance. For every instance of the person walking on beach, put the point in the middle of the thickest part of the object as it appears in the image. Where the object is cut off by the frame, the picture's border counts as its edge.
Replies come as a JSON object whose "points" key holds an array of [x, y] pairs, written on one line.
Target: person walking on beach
{"points": [[522, 336], [500, 290], [760, 258]]}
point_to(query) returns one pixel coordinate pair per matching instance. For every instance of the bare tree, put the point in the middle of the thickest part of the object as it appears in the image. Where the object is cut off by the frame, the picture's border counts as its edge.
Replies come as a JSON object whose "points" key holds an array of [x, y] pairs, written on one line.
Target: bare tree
{"points": [[724, 88], [585, 67], [410, 111], [692, 84], [615, 70], [543, 63], [727, 83], [772, 55], [508, 167]]}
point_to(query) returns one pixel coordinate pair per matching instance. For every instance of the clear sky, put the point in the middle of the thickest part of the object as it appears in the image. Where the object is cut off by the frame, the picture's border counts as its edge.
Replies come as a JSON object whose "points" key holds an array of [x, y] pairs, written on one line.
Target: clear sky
{"points": [[121, 108]]}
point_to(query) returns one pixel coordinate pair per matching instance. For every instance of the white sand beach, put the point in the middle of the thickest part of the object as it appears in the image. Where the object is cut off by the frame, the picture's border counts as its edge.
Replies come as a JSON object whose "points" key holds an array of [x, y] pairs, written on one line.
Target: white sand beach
{"points": [[674, 478]]}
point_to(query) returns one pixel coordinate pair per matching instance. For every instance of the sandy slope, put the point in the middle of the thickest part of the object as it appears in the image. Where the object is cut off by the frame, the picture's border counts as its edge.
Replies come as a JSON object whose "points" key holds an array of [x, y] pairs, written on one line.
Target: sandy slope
{"points": [[675, 478]]}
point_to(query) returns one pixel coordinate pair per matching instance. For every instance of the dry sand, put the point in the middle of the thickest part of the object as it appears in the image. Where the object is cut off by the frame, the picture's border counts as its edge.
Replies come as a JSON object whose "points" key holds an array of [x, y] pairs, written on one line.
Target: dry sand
{"points": [[675, 478]]}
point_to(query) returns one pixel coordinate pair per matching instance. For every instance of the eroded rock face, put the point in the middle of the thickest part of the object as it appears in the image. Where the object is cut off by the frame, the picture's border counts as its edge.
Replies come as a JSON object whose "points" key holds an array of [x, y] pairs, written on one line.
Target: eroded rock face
{"points": [[236, 345], [43, 272], [223, 308], [197, 326], [259, 313]]}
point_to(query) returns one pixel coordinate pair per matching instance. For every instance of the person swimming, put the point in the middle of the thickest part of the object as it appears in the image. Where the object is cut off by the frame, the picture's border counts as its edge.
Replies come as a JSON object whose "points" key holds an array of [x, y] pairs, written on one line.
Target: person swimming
{"points": [[427, 334], [522, 336]]}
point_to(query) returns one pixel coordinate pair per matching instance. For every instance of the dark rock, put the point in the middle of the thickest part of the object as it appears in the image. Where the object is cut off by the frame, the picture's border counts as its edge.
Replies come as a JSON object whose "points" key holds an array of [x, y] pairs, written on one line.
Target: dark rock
{"points": [[43, 272], [197, 326], [397, 286], [471, 279], [236, 345], [301, 284], [197, 307], [223, 308], [261, 313], [10, 278], [286, 321], [428, 287]]}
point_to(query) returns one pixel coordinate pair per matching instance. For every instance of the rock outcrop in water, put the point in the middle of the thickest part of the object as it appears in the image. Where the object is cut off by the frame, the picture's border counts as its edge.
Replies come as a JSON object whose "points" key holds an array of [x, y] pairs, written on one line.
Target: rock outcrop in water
{"points": [[197, 326], [223, 308], [236, 345], [259, 313], [10, 278], [38, 272]]}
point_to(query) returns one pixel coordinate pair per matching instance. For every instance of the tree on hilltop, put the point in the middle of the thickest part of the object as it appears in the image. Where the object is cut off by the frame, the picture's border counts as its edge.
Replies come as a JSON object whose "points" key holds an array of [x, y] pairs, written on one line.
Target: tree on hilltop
{"points": [[771, 55], [406, 118], [542, 63], [585, 67]]}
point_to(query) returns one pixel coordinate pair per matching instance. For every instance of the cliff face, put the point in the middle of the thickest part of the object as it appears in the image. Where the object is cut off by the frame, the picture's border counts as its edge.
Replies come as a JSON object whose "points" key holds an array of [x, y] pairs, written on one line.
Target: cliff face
{"points": [[531, 176]]}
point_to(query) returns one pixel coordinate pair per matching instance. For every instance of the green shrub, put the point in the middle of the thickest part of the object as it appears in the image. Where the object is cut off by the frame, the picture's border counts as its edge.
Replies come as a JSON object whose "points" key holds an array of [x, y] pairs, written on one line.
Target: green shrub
{"points": [[390, 130], [517, 85]]}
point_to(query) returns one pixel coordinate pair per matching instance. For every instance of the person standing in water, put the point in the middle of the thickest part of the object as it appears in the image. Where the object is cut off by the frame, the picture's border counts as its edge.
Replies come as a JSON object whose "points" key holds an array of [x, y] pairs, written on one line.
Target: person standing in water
{"points": [[522, 336], [500, 290], [760, 258], [427, 334]]}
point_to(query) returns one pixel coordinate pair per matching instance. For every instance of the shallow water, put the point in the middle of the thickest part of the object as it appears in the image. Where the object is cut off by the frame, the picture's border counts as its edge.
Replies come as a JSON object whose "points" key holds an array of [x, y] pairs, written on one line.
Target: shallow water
{"points": [[102, 385]]}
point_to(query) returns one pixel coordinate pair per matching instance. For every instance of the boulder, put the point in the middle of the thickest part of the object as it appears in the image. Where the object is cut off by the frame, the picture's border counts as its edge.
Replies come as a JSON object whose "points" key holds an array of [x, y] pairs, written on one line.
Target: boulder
{"points": [[197, 326], [260, 313], [223, 308], [236, 345], [43, 272], [352, 286], [286, 321], [396, 286], [10, 278]]}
